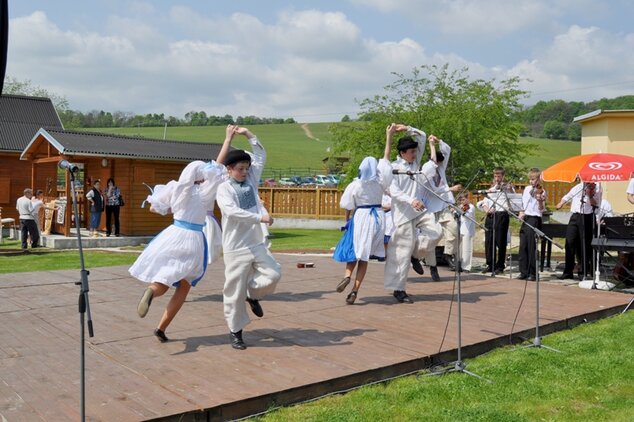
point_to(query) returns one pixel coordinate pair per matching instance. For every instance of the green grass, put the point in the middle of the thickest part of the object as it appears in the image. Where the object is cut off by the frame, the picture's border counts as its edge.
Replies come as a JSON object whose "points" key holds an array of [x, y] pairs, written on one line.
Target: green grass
{"points": [[304, 239], [287, 145], [591, 380], [549, 151], [45, 259]]}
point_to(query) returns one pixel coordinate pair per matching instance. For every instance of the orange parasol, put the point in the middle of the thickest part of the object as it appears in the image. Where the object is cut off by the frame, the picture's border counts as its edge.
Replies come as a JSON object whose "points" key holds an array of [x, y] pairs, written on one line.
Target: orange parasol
{"points": [[597, 167]]}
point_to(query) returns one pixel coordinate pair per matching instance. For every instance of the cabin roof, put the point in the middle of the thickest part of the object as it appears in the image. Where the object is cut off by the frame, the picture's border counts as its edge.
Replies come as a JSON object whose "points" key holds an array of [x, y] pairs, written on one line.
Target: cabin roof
{"points": [[21, 116]]}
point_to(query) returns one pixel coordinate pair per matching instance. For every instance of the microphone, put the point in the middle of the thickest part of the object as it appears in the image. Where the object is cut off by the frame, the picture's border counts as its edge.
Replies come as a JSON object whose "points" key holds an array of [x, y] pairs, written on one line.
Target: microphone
{"points": [[406, 172], [65, 165]]}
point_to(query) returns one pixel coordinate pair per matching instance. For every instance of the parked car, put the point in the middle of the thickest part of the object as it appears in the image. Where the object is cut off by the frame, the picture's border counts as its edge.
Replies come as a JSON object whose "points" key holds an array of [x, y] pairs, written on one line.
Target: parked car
{"points": [[287, 181], [323, 180], [308, 181]]}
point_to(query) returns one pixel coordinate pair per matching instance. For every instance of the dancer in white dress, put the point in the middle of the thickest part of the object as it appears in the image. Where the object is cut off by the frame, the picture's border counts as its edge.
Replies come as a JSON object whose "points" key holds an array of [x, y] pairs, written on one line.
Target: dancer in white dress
{"points": [[177, 257], [363, 198]]}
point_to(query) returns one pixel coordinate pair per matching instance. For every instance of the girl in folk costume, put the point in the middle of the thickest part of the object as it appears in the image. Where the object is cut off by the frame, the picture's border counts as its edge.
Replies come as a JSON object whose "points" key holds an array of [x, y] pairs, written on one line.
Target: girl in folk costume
{"points": [[177, 257], [362, 198]]}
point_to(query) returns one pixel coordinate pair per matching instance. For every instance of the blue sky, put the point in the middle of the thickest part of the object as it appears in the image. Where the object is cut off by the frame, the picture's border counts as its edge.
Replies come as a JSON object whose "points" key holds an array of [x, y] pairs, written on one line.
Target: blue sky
{"points": [[309, 60]]}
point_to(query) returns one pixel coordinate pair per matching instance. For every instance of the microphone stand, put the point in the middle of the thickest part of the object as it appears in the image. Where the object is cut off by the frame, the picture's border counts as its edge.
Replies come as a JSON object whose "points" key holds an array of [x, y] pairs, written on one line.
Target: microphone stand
{"points": [[83, 303], [459, 365]]}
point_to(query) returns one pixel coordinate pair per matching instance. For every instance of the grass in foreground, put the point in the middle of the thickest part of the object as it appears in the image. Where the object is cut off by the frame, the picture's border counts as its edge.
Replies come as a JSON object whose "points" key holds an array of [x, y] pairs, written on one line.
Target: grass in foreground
{"points": [[591, 380]]}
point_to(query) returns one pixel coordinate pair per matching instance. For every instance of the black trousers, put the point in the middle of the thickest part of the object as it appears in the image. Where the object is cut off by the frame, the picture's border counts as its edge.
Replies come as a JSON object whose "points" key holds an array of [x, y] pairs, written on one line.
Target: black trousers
{"points": [[578, 235], [499, 220], [29, 227], [527, 250], [112, 212]]}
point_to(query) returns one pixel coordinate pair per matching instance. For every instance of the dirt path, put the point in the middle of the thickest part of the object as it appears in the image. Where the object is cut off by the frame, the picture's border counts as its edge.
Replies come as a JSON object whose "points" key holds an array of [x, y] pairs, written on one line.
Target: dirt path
{"points": [[308, 133]]}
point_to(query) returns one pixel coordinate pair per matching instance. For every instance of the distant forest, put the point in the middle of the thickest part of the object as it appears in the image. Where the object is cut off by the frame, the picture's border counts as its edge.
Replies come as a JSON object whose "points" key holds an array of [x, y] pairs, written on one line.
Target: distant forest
{"points": [[546, 119], [553, 119], [73, 119]]}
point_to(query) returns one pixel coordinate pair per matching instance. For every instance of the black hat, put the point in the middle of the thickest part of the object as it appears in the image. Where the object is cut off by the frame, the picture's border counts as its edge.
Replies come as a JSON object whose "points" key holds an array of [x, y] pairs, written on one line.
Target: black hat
{"points": [[236, 156], [405, 143]]}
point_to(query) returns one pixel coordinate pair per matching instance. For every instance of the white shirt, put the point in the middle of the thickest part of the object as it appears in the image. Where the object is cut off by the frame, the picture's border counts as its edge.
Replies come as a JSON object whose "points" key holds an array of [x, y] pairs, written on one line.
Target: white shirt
{"points": [[575, 195], [405, 189], [467, 226], [630, 187], [239, 225], [431, 172], [360, 192], [37, 204], [605, 210], [25, 208], [530, 205]]}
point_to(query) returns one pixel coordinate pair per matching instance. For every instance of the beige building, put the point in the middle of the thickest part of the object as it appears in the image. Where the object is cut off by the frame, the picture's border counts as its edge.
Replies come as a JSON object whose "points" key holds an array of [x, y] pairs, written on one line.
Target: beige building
{"points": [[609, 131]]}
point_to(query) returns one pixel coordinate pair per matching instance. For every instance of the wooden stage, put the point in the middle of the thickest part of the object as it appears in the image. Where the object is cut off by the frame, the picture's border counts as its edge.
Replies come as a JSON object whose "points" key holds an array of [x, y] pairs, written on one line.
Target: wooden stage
{"points": [[309, 342]]}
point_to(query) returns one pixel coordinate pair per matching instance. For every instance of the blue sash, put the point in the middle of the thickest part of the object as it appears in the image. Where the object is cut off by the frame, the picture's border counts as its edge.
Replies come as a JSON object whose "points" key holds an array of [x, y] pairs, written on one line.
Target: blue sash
{"points": [[197, 228]]}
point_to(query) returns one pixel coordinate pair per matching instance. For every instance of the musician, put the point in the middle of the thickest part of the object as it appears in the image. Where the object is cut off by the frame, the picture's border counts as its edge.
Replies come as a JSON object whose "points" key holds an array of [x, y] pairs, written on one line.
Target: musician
{"points": [[533, 203], [497, 220], [630, 191], [585, 199]]}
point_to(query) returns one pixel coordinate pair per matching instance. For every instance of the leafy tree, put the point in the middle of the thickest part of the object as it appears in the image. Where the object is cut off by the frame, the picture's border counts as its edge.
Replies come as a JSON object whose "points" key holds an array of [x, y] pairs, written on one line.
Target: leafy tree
{"points": [[14, 86], [345, 118], [554, 129], [474, 117]]}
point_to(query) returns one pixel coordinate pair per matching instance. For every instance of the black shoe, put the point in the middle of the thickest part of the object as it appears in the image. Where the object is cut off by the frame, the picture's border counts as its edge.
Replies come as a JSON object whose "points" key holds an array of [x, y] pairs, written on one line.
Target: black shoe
{"points": [[531, 278], [522, 277], [351, 298], [236, 341], [402, 296], [450, 262], [161, 335], [417, 266], [433, 271], [256, 308], [343, 284], [499, 270], [486, 270], [565, 276]]}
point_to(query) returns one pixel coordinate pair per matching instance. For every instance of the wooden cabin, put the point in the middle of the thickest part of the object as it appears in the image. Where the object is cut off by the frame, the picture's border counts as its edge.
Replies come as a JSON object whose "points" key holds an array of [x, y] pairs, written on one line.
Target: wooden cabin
{"points": [[20, 118], [134, 163]]}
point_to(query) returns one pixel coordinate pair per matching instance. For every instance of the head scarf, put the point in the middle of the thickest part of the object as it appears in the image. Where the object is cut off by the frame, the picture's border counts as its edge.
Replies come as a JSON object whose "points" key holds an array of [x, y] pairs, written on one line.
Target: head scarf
{"points": [[367, 169]]}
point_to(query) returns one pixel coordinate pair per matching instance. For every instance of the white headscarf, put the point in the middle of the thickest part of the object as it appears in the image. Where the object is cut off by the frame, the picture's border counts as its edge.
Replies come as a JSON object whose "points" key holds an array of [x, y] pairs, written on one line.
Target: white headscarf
{"points": [[367, 169]]}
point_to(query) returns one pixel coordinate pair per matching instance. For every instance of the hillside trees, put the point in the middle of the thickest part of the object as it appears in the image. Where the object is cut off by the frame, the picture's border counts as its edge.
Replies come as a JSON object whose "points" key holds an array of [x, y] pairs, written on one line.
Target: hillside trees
{"points": [[475, 117]]}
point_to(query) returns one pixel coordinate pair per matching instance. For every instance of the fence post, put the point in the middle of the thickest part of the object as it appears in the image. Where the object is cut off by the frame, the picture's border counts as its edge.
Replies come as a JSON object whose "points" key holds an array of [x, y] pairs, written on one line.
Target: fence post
{"points": [[318, 203]]}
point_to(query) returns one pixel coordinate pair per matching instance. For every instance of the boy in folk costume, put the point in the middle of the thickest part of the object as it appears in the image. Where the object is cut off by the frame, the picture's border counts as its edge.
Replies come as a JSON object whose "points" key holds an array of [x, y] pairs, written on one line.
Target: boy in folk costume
{"points": [[437, 199], [416, 231], [533, 199], [363, 198], [177, 257], [251, 271]]}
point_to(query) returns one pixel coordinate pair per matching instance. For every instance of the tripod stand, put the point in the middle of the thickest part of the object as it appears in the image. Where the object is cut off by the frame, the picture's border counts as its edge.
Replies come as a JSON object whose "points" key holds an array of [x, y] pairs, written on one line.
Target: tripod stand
{"points": [[83, 303], [459, 365]]}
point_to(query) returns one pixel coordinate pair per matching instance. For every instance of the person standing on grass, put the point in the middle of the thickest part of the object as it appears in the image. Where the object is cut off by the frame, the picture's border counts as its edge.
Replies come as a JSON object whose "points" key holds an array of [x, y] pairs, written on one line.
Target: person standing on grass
{"points": [[251, 271], [362, 198], [28, 227], [177, 257], [416, 230]]}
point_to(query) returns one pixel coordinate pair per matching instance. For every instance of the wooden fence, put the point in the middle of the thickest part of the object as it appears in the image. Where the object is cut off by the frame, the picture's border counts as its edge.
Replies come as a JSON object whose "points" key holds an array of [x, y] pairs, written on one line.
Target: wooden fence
{"points": [[323, 203]]}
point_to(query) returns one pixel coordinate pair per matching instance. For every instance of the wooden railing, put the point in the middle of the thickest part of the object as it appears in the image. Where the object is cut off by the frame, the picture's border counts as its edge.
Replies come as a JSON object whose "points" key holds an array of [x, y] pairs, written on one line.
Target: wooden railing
{"points": [[323, 203]]}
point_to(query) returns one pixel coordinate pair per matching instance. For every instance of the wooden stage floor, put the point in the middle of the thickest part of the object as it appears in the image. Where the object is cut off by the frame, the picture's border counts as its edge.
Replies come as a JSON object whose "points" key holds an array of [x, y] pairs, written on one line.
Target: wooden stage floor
{"points": [[308, 343]]}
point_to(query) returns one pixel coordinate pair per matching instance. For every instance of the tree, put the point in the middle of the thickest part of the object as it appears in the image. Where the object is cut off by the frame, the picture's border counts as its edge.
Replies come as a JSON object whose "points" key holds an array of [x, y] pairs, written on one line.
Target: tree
{"points": [[554, 129], [345, 118], [475, 117], [13, 86]]}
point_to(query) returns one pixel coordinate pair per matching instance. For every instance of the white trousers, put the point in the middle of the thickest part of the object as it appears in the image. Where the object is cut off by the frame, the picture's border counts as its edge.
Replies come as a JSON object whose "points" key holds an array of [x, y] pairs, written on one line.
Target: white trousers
{"points": [[252, 273], [466, 251], [449, 232], [414, 238]]}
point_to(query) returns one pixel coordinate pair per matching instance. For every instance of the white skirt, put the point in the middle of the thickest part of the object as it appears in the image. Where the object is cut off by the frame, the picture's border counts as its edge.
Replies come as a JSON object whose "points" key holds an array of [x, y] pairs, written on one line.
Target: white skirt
{"points": [[174, 254], [369, 229]]}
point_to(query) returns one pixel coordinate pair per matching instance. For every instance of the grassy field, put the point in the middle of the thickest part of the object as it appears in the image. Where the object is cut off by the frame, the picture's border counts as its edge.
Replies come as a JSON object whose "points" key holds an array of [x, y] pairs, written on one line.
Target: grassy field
{"points": [[591, 380], [289, 148]]}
